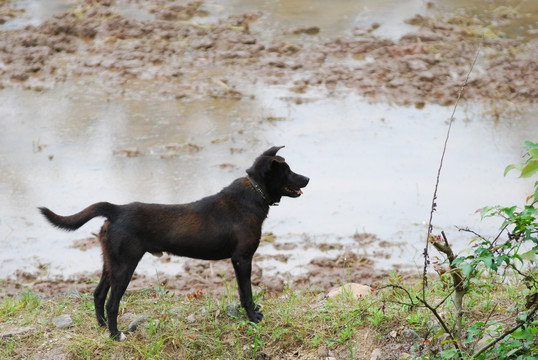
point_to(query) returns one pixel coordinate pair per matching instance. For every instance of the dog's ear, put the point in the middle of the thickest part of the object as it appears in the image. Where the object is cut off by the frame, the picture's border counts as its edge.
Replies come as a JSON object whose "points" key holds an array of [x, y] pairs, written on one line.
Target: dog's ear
{"points": [[276, 160], [272, 151]]}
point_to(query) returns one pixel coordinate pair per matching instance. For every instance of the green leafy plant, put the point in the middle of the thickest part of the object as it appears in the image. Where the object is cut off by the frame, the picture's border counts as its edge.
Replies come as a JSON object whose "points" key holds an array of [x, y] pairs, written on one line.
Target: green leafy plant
{"points": [[512, 253], [505, 260]]}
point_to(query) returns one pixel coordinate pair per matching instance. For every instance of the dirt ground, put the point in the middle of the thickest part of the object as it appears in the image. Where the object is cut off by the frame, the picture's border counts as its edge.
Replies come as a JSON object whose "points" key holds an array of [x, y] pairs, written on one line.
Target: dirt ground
{"points": [[176, 57], [217, 277]]}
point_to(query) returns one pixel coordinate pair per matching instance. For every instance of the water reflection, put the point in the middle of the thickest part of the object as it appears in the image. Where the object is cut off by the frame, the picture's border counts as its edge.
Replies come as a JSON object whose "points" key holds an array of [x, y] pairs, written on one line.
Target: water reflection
{"points": [[372, 166]]}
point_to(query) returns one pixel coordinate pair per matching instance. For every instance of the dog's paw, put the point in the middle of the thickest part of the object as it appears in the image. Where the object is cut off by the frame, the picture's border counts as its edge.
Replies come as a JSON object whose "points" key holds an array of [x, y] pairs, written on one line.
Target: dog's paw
{"points": [[255, 317], [119, 337]]}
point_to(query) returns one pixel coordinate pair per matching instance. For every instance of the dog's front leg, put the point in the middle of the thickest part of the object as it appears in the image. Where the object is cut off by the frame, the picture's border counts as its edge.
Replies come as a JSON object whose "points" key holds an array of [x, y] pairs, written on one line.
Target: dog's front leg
{"points": [[243, 269]]}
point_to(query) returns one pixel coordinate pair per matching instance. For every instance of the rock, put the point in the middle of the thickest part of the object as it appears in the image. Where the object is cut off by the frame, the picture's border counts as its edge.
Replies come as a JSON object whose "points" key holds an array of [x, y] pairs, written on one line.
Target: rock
{"points": [[417, 65], [18, 332], [52, 354], [191, 318], [426, 76], [127, 316], [136, 323], [323, 352], [233, 309], [410, 334], [489, 334], [483, 342], [376, 354], [357, 290], [62, 321], [175, 311]]}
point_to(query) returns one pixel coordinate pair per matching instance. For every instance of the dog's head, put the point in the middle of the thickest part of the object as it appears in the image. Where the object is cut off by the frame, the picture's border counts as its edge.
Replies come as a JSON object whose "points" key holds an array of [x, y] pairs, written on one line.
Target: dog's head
{"points": [[273, 175]]}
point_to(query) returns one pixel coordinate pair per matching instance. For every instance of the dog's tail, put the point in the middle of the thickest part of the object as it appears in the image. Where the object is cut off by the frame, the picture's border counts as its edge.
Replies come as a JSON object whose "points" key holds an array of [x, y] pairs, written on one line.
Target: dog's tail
{"points": [[75, 221]]}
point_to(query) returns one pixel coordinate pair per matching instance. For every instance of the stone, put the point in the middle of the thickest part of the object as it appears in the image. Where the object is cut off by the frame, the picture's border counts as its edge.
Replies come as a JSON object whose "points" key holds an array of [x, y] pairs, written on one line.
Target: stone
{"points": [[137, 322], [410, 334], [62, 321], [376, 354], [426, 76], [18, 332], [357, 290], [127, 316], [232, 309]]}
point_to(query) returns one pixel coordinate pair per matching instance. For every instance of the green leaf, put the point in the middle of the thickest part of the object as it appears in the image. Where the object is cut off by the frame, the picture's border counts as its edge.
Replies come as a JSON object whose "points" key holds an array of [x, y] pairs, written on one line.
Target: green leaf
{"points": [[522, 316], [490, 263], [488, 211], [530, 144], [524, 334], [509, 211], [534, 152], [529, 255], [518, 166], [530, 169], [467, 269]]}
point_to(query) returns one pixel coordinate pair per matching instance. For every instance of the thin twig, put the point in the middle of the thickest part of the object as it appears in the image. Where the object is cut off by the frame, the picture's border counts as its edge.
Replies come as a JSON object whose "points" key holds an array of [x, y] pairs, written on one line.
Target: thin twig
{"points": [[443, 325], [434, 198], [400, 288], [485, 323], [472, 232], [505, 334]]}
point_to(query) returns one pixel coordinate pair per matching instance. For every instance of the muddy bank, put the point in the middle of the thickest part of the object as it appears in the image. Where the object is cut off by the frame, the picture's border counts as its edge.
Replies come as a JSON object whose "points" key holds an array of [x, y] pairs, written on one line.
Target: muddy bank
{"points": [[333, 265], [214, 277], [172, 55]]}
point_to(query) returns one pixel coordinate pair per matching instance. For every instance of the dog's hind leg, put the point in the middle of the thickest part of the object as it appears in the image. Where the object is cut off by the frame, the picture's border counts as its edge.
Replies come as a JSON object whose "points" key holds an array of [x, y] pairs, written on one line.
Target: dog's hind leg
{"points": [[120, 276], [99, 296], [243, 270], [101, 291]]}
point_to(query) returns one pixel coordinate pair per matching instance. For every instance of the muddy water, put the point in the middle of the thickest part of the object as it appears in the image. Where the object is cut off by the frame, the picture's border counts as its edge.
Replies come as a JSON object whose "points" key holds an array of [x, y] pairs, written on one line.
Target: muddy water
{"points": [[372, 166]]}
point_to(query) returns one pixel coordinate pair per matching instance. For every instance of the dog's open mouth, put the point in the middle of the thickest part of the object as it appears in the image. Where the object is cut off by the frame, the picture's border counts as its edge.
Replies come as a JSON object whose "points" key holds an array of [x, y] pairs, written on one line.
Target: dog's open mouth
{"points": [[292, 191]]}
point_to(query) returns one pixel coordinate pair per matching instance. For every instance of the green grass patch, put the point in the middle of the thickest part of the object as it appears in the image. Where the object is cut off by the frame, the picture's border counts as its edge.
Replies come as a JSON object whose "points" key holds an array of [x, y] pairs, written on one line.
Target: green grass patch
{"points": [[298, 324]]}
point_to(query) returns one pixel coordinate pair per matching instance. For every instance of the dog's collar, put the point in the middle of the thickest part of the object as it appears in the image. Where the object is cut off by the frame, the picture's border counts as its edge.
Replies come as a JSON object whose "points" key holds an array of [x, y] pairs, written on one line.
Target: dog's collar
{"points": [[260, 191]]}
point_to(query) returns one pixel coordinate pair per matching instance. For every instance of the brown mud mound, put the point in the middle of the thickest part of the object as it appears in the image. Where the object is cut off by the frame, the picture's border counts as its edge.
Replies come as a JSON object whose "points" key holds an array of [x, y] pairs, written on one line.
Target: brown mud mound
{"points": [[174, 56], [213, 277]]}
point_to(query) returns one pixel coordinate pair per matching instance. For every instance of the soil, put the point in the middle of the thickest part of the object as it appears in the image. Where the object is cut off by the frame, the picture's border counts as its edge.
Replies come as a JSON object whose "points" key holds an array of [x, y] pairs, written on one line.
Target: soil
{"points": [[216, 277], [173, 55]]}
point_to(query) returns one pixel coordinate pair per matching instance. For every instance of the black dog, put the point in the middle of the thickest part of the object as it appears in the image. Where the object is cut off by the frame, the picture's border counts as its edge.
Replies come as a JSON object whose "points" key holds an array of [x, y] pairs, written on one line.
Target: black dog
{"points": [[225, 225]]}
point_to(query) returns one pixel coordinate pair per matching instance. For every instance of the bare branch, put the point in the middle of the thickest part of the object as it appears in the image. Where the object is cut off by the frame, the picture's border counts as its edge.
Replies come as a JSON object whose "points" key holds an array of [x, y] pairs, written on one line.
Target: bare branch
{"points": [[443, 325], [505, 334], [434, 197], [403, 289]]}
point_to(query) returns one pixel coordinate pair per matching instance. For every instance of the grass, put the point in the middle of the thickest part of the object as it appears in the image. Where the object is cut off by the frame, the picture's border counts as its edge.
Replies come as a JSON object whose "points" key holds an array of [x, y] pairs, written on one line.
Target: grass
{"points": [[298, 324]]}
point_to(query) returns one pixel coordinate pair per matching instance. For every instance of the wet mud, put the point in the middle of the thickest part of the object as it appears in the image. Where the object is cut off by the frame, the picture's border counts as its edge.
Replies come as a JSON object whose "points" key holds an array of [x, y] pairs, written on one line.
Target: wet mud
{"points": [[217, 278], [174, 55]]}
